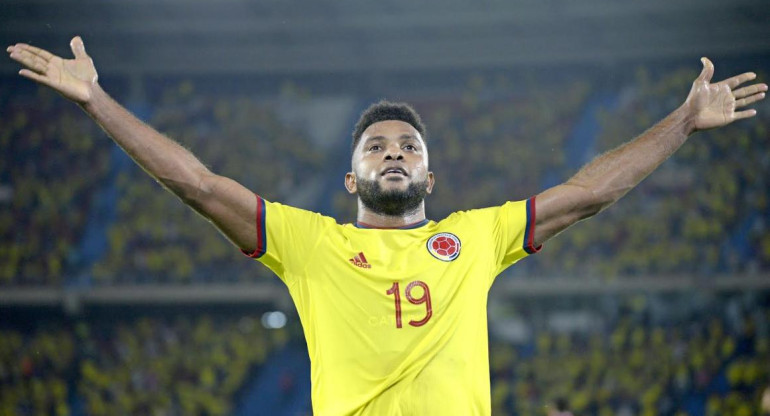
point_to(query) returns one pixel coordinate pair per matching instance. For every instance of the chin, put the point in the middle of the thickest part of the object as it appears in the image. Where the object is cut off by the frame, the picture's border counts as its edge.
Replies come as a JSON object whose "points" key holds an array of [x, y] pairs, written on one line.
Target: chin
{"points": [[394, 183]]}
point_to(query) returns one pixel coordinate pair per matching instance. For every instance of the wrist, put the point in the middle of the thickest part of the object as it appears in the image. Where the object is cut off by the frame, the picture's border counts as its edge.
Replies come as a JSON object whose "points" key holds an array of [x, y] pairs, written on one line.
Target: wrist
{"points": [[687, 118], [95, 95]]}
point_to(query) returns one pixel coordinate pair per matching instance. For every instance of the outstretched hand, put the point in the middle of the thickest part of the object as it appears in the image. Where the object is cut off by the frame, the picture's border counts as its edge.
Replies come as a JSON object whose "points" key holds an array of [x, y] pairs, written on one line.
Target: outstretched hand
{"points": [[72, 78], [715, 105]]}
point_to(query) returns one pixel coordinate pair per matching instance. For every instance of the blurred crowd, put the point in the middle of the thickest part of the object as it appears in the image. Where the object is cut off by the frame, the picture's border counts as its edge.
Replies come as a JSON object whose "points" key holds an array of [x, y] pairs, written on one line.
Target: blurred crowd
{"points": [[54, 162], [184, 365], [711, 360], [35, 371], [498, 141], [498, 138], [632, 366]]}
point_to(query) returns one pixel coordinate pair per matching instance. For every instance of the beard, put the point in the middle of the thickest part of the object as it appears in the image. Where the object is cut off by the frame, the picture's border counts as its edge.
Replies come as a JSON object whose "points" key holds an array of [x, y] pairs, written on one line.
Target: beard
{"points": [[393, 203]]}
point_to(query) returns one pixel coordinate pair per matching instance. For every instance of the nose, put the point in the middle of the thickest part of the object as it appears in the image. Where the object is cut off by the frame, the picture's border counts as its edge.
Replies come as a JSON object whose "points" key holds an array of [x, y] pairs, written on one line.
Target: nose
{"points": [[394, 153]]}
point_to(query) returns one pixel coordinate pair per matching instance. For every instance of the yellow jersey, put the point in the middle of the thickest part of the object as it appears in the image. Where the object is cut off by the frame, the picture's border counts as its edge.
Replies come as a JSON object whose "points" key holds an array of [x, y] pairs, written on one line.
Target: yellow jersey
{"points": [[395, 319]]}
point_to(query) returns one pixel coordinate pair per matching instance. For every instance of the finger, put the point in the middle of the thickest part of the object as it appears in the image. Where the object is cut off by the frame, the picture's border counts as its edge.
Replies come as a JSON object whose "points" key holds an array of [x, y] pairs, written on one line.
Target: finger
{"points": [[29, 60], [739, 79], [44, 54], [78, 48], [35, 77], [749, 100], [750, 90], [744, 114], [708, 70]]}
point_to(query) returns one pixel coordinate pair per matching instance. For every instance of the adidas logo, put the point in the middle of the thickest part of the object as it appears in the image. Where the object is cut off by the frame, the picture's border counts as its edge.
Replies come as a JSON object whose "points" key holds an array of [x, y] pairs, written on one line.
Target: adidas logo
{"points": [[360, 261]]}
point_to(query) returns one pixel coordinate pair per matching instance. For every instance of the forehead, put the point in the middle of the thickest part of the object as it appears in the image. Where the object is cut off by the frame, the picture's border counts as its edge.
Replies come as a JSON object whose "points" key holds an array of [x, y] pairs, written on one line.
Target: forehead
{"points": [[390, 129]]}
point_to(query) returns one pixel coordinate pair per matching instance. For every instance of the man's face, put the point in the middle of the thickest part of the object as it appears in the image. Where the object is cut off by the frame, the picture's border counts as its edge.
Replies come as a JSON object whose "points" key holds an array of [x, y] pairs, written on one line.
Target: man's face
{"points": [[390, 168]]}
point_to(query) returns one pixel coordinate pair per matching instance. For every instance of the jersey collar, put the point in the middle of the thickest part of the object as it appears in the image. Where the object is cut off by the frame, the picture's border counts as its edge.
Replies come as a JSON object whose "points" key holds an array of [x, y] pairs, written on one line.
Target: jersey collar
{"points": [[418, 224]]}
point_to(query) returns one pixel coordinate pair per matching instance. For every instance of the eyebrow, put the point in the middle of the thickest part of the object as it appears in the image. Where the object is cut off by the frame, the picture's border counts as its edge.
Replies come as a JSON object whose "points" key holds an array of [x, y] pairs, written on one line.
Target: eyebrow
{"points": [[379, 138]]}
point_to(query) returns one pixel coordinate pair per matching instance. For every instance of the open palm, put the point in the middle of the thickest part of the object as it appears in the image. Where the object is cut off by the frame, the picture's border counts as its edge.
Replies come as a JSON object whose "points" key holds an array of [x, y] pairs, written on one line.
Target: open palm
{"points": [[715, 105], [73, 78]]}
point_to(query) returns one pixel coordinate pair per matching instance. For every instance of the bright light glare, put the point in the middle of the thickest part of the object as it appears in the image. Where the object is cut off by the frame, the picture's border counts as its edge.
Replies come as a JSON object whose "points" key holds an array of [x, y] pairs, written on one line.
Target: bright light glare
{"points": [[274, 320]]}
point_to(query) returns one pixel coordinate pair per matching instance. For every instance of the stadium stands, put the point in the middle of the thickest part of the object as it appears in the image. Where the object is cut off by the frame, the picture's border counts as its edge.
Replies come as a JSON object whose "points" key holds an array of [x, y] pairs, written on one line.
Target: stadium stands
{"points": [[54, 162], [497, 141], [35, 369], [163, 366], [714, 360], [715, 366], [179, 365]]}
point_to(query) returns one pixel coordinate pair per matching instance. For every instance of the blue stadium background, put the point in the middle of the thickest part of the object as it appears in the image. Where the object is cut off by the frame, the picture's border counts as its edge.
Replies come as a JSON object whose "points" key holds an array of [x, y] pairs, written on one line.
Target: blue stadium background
{"points": [[117, 300]]}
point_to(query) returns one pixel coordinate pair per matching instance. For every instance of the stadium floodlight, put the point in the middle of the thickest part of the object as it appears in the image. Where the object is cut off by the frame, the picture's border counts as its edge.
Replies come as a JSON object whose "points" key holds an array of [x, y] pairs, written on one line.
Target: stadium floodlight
{"points": [[274, 320]]}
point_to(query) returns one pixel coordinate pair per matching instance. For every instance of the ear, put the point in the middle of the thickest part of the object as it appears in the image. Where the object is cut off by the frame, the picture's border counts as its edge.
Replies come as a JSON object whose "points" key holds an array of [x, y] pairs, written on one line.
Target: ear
{"points": [[350, 182], [431, 182]]}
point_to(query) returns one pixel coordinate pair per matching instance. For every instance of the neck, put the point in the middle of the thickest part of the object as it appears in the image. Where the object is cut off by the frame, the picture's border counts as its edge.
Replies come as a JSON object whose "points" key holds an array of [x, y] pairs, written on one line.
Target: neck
{"points": [[373, 219]]}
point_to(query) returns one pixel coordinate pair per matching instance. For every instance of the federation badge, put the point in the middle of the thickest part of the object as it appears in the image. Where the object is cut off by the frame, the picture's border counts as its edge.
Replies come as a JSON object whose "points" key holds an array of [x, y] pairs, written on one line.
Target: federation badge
{"points": [[444, 246]]}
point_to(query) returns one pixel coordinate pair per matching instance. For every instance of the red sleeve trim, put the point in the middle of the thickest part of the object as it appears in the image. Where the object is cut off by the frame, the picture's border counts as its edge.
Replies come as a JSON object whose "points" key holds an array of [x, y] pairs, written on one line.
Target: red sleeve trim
{"points": [[529, 231], [261, 235]]}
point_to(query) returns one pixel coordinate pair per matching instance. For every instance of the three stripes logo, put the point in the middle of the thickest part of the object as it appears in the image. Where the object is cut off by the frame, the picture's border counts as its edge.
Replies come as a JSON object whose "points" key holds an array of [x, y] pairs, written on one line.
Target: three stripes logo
{"points": [[360, 261]]}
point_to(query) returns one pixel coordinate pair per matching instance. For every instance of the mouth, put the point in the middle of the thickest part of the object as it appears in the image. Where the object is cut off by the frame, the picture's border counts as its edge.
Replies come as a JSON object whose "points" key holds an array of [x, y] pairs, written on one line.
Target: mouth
{"points": [[394, 172]]}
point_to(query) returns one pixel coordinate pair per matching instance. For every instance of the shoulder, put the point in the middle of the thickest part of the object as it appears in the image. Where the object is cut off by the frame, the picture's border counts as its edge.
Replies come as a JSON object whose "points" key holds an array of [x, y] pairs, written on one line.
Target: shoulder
{"points": [[480, 215], [276, 211]]}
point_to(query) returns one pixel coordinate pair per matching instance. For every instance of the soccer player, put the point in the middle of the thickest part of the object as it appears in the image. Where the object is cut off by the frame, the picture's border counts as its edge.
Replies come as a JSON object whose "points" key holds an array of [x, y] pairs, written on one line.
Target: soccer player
{"points": [[394, 306]]}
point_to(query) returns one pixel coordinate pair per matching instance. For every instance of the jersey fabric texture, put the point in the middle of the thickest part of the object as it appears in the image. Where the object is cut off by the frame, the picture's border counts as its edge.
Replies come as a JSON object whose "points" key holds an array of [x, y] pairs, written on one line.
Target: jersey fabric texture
{"points": [[395, 319]]}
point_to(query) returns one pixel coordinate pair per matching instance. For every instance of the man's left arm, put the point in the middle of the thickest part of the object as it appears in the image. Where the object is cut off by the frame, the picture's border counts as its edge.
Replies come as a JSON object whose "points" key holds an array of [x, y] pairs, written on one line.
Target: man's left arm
{"points": [[607, 178]]}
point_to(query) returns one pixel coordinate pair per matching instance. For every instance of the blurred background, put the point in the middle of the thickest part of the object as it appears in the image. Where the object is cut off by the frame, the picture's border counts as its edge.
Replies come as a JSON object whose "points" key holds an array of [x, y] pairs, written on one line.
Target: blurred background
{"points": [[117, 300]]}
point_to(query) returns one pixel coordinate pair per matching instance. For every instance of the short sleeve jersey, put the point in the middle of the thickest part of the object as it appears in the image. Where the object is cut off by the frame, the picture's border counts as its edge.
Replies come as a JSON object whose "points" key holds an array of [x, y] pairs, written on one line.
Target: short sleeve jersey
{"points": [[395, 319]]}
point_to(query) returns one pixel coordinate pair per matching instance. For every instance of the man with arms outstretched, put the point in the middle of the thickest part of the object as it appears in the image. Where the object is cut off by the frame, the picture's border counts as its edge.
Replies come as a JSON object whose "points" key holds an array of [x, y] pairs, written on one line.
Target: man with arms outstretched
{"points": [[394, 306]]}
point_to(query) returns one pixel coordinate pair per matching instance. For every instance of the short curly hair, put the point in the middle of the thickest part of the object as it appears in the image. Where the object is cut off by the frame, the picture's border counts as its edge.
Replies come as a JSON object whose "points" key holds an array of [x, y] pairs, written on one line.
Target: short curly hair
{"points": [[386, 110]]}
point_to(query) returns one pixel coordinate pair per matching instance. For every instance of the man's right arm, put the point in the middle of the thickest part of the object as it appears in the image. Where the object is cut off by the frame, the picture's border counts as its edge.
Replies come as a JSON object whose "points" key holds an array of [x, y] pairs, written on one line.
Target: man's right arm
{"points": [[224, 202]]}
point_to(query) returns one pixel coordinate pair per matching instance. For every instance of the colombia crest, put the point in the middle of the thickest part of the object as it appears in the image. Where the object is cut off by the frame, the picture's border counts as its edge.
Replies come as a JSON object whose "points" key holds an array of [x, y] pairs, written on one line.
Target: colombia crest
{"points": [[444, 246]]}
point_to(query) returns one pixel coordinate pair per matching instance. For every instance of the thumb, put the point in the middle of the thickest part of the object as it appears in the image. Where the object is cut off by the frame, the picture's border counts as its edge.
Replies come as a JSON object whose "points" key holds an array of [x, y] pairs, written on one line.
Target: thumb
{"points": [[708, 70], [78, 48]]}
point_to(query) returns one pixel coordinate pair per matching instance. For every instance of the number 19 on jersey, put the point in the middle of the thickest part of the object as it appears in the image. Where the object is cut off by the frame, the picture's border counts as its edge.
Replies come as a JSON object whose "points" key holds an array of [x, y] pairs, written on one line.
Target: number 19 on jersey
{"points": [[424, 299]]}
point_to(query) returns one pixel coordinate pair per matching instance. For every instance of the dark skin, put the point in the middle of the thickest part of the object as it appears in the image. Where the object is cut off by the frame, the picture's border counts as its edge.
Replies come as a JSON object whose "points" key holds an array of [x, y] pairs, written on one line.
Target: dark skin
{"points": [[387, 144]]}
